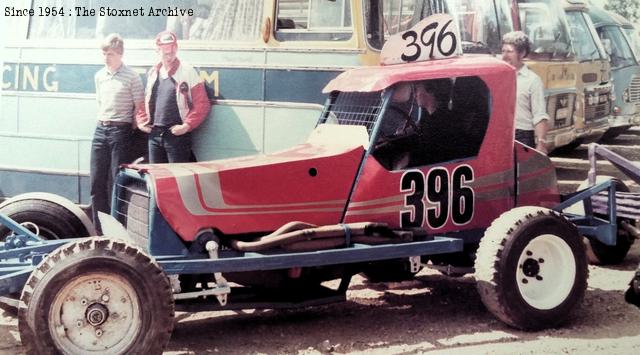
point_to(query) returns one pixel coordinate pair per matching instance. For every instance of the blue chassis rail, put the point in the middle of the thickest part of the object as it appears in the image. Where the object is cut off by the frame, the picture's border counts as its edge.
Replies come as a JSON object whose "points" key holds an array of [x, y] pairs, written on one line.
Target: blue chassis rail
{"points": [[21, 253], [589, 225]]}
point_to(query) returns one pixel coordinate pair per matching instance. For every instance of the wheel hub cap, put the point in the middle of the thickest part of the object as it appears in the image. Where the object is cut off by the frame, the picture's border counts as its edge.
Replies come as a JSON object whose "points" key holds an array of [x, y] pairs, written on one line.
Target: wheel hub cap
{"points": [[531, 267], [97, 314]]}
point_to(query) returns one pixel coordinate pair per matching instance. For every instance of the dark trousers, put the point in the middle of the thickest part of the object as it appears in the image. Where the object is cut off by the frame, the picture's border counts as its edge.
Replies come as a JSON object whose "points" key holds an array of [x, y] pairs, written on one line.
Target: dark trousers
{"points": [[164, 147], [108, 151], [139, 147], [526, 137]]}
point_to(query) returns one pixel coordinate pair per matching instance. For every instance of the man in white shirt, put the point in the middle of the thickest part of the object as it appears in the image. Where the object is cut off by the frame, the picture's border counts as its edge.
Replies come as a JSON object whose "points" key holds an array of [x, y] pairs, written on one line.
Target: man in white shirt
{"points": [[531, 114]]}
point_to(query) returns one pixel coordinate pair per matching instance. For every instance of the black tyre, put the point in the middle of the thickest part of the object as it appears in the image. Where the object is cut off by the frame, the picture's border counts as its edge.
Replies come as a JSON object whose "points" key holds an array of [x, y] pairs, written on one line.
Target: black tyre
{"points": [[389, 271], [53, 220], [633, 293], [96, 296], [566, 149], [600, 253], [612, 133], [531, 268]]}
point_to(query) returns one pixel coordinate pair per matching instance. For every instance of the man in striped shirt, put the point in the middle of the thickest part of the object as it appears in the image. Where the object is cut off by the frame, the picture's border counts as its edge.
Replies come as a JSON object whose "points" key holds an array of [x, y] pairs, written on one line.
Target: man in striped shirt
{"points": [[119, 93]]}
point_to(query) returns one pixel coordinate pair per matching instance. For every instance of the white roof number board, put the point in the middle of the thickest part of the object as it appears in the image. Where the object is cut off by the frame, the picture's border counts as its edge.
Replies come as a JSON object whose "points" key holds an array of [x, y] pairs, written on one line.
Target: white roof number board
{"points": [[435, 37]]}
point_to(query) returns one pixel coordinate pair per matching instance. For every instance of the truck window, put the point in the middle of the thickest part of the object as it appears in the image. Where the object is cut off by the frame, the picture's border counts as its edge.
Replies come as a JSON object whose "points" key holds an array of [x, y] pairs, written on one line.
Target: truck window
{"points": [[313, 20], [547, 29], [634, 37], [433, 121], [234, 20], [583, 42], [617, 46]]}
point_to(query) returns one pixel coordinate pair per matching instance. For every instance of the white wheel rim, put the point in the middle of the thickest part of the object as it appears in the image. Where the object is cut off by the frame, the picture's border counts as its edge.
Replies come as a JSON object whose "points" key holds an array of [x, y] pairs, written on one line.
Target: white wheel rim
{"points": [[546, 272], [97, 313]]}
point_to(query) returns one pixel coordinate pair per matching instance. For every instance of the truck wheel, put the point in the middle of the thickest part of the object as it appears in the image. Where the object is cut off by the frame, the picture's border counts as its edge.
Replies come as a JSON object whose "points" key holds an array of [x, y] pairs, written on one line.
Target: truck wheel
{"points": [[531, 268], [96, 296], [53, 220]]}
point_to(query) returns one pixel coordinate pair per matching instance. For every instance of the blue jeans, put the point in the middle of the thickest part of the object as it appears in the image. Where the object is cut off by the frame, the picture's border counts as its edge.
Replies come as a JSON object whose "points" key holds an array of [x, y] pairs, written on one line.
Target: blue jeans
{"points": [[164, 147], [109, 149]]}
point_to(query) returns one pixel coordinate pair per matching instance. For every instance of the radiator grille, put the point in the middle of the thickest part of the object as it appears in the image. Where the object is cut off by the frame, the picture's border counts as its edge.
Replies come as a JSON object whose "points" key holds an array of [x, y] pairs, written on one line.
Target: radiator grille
{"points": [[132, 210], [634, 90], [560, 110], [597, 105]]}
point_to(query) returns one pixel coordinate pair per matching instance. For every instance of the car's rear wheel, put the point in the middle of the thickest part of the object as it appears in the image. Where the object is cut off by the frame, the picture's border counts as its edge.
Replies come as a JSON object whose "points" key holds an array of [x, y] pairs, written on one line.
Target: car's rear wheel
{"points": [[531, 268]]}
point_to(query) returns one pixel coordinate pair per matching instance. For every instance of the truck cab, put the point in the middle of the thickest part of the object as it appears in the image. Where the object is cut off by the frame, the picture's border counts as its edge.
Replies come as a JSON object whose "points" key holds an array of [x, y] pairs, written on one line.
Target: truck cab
{"points": [[552, 57], [593, 83], [624, 71]]}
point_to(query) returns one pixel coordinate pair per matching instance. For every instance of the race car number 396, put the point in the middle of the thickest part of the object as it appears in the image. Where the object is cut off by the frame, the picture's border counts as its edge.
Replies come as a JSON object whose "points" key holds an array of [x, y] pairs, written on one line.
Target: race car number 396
{"points": [[435, 37], [437, 197]]}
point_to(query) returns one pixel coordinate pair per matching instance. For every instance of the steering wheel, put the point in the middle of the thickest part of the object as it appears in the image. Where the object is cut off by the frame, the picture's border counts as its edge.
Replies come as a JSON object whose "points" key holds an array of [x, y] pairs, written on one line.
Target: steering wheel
{"points": [[407, 124]]}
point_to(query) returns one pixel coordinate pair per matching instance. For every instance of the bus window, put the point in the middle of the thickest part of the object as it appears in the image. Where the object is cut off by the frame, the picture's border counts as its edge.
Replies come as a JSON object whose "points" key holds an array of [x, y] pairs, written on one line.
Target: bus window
{"points": [[313, 20], [480, 22], [234, 20], [398, 16], [238, 20]]}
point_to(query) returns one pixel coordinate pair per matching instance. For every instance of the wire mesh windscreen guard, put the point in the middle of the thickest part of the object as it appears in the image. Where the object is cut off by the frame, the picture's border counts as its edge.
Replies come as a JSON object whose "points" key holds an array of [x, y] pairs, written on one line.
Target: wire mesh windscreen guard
{"points": [[353, 108]]}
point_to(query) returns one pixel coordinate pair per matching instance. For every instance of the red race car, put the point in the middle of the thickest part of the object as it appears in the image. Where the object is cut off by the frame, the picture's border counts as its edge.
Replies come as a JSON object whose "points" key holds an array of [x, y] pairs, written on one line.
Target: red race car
{"points": [[410, 164]]}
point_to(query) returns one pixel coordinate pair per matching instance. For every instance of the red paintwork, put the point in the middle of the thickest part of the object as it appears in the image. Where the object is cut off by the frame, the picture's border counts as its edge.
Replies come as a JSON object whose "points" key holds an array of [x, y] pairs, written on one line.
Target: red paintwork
{"points": [[537, 179], [377, 78], [257, 193], [495, 156], [261, 193]]}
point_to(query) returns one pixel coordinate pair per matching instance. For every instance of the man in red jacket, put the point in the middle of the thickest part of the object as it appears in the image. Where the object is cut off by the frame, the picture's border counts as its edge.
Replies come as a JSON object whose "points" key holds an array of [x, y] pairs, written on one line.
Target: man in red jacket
{"points": [[175, 103]]}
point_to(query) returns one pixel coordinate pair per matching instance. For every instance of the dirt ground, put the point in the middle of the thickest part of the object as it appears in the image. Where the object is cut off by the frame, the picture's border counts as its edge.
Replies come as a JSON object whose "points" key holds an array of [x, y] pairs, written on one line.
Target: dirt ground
{"points": [[431, 314]]}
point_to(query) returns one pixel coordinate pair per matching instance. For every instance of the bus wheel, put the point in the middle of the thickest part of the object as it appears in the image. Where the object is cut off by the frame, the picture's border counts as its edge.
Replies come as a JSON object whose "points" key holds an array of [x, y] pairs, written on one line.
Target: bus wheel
{"points": [[531, 268], [48, 219], [96, 296]]}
